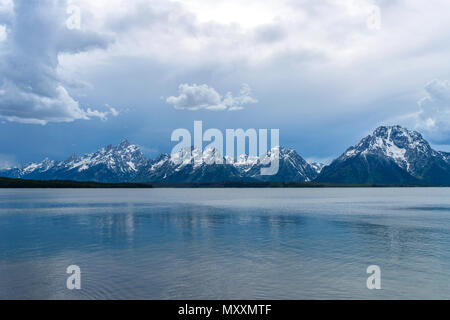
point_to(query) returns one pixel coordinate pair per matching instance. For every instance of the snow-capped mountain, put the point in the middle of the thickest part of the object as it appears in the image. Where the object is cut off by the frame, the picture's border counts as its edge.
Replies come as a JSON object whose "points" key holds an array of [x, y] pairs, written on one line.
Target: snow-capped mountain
{"points": [[391, 154], [195, 166], [189, 165], [119, 163], [126, 163], [292, 167]]}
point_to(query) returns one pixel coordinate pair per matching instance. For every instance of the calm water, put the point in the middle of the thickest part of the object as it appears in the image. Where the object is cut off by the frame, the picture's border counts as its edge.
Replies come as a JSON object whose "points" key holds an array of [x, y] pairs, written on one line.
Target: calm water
{"points": [[225, 243]]}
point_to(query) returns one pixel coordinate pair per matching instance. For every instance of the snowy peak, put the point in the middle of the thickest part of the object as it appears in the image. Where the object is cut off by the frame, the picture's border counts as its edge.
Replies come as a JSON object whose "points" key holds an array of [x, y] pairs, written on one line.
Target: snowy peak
{"points": [[125, 144], [123, 158], [403, 146], [391, 155], [403, 139], [109, 164], [189, 165], [292, 167], [211, 165], [43, 166]]}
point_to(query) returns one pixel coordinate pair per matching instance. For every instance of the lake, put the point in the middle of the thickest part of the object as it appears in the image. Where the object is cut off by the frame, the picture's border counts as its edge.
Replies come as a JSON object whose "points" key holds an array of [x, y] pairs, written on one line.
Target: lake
{"points": [[225, 243]]}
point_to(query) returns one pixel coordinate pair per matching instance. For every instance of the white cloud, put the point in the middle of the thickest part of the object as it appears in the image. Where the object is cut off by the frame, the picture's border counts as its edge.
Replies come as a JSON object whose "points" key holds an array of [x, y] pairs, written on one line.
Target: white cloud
{"points": [[197, 97]]}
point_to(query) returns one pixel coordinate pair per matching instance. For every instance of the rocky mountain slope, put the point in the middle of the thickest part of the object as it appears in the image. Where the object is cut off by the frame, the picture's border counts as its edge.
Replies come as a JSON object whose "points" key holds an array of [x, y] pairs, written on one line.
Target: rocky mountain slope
{"points": [[391, 155], [126, 163]]}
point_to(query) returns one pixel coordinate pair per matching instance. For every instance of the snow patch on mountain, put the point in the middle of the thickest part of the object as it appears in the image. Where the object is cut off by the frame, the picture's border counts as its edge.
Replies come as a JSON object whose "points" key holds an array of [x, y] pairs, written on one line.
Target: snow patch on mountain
{"points": [[403, 146], [317, 166]]}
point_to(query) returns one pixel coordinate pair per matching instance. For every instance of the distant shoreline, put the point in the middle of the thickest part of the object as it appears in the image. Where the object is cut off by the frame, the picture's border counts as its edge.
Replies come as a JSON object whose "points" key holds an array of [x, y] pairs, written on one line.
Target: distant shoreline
{"points": [[64, 184], [67, 184]]}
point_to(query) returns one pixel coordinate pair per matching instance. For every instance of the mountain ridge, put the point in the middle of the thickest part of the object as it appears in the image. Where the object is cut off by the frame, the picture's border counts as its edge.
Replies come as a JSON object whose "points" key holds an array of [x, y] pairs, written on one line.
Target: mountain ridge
{"points": [[126, 163], [390, 155]]}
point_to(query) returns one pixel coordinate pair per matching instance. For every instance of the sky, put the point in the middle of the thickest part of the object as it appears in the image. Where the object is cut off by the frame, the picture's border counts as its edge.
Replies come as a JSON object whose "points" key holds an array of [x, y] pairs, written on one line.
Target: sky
{"points": [[76, 75]]}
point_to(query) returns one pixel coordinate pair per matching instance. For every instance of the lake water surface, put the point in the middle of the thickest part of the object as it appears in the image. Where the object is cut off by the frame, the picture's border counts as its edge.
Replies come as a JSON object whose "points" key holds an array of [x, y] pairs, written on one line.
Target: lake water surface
{"points": [[225, 243]]}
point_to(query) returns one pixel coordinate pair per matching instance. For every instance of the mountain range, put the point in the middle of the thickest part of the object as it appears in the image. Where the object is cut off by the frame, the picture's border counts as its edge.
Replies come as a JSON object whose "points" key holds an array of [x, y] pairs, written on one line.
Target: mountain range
{"points": [[390, 155], [126, 163]]}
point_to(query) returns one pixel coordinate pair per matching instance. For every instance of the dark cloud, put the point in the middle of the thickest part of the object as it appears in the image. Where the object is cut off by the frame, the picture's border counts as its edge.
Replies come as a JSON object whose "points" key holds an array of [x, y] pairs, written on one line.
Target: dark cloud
{"points": [[270, 33], [434, 116], [31, 90]]}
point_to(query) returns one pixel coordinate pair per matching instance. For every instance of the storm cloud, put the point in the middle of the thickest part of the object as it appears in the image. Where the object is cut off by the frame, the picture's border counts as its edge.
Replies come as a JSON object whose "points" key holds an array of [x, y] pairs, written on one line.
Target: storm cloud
{"points": [[434, 114], [325, 72], [31, 88]]}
